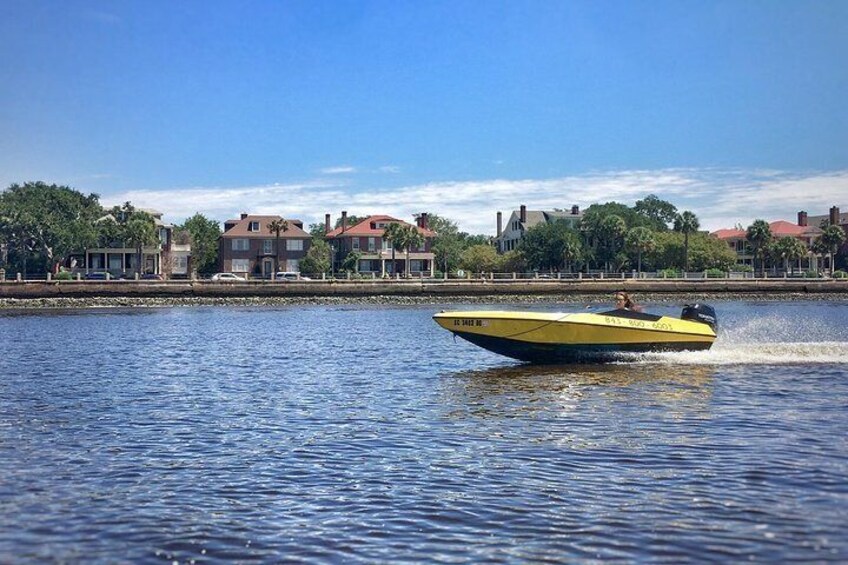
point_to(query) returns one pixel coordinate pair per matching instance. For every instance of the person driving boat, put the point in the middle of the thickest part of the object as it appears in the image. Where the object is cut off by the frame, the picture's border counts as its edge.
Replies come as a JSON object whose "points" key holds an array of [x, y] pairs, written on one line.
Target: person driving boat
{"points": [[624, 302]]}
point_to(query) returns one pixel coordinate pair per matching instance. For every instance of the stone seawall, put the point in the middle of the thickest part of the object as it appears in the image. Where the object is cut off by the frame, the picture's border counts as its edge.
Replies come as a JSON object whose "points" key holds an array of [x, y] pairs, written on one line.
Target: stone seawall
{"points": [[424, 289]]}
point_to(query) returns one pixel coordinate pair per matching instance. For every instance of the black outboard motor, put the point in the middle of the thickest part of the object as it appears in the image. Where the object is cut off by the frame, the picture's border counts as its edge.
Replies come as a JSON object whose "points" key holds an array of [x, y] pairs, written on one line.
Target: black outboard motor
{"points": [[703, 313]]}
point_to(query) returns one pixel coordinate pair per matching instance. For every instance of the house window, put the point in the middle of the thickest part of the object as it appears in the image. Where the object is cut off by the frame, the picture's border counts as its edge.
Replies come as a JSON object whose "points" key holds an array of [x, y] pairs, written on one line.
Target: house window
{"points": [[267, 246], [254, 226], [387, 245], [372, 244], [294, 244], [240, 265], [163, 235], [355, 242], [293, 266], [241, 244]]}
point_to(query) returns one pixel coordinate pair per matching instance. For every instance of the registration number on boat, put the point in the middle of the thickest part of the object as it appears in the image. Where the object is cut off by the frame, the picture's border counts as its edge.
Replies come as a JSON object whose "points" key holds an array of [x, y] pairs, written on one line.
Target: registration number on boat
{"points": [[471, 323]]}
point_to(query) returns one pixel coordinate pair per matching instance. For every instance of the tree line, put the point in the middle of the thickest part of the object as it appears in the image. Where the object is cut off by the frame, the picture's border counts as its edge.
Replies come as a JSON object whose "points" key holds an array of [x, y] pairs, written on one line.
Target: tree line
{"points": [[42, 225]]}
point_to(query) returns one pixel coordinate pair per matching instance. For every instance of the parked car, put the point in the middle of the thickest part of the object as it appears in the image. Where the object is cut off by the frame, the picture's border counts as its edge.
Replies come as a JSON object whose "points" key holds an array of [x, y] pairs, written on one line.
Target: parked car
{"points": [[227, 277], [151, 277], [95, 276], [290, 276]]}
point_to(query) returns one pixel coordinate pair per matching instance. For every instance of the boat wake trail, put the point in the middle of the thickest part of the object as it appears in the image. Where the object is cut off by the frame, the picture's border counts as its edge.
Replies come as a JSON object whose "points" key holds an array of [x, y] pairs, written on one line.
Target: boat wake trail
{"points": [[787, 353]]}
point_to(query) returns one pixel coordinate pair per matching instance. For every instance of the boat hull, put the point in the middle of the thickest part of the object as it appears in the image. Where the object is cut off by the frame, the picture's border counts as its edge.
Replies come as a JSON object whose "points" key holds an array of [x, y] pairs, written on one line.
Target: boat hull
{"points": [[562, 338]]}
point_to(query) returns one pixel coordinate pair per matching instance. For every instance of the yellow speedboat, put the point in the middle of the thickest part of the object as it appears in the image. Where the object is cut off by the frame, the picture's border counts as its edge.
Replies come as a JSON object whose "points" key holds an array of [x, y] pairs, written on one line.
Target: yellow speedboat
{"points": [[540, 337]]}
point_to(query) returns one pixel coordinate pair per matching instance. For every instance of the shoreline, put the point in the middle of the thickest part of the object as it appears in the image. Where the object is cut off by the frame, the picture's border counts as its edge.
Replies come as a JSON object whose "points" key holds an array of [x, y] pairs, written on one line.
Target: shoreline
{"points": [[139, 294], [108, 303]]}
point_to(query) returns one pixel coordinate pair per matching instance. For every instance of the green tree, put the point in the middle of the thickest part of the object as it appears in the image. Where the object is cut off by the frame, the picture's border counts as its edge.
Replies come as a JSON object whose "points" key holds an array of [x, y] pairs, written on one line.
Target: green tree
{"points": [[351, 220], [351, 262], [512, 262], [276, 227], [758, 235], [479, 259], [789, 249], [686, 223], [832, 237], [317, 259], [410, 237], [550, 246], [204, 234], [660, 212], [48, 222], [318, 230], [140, 231], [640, 240], [613, 228], [394, 234]]}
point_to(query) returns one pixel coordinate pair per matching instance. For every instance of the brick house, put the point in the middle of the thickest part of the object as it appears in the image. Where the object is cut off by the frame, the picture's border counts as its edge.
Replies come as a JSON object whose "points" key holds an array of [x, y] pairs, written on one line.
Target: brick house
{"points": [[366, 237], [833, 218], [521, 220], [737, 240], [248, 247]]}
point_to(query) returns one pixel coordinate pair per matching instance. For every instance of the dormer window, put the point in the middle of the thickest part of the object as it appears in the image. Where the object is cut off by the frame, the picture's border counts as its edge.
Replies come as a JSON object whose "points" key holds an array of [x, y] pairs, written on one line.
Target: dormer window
{"points": [[254, 226]]}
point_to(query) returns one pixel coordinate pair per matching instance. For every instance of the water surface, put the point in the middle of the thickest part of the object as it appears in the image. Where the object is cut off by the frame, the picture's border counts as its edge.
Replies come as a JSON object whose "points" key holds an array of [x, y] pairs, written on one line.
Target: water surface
{"points": [[369, 434]]}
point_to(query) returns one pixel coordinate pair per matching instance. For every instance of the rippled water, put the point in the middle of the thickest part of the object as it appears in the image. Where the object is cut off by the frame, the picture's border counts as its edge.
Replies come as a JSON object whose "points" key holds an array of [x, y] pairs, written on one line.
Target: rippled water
{"points": [[369, 434]]}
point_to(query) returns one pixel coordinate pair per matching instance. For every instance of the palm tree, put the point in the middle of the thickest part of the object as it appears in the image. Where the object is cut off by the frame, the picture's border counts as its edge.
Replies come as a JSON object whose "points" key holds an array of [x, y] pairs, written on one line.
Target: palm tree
{"points": [[140, 230], [572, 249], [276, 227], [686, 223], [640, 240], [411, 238], [832, 237], [759, 235], [613, 228], [789, 249], [394, 235]]}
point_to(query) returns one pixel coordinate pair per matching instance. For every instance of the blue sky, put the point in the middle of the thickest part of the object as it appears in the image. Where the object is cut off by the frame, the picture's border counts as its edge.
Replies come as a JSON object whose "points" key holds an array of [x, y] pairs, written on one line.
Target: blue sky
{"points": [[735, 110]]}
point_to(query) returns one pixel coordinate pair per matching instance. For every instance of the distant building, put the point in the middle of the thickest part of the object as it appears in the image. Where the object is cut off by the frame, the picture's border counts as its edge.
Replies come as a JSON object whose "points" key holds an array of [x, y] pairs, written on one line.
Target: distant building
{"points": [[248, 247], [366, 237], [508, 237], [165, 258], [833, 218], [807, 234]]}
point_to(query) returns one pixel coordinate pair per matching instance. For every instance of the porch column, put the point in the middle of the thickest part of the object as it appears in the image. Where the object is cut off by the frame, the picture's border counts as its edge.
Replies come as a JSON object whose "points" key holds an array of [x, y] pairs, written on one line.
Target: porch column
{"points": [[382, 268], [432, 268]]}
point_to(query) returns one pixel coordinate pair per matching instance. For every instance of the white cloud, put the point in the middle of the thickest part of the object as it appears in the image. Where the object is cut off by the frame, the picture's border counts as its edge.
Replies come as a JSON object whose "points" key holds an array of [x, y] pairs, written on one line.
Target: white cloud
{"points": [[342, 170], [389, 169], [720, 198]]}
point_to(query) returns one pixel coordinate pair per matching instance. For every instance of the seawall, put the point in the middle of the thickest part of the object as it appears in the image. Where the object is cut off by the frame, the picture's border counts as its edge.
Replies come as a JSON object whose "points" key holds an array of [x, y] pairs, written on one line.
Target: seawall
{"points": [[416, 288]]}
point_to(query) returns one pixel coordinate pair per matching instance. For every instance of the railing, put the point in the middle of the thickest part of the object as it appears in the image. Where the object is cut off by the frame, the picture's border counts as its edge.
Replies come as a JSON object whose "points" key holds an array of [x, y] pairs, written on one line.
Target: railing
{"points": [[540, 278]]}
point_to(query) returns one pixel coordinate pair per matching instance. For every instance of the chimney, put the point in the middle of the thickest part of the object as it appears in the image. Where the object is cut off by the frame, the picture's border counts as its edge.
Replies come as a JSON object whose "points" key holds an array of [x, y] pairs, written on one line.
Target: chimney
{"points": [[802, 219], [523, 214], [575, 210], [243, 215], [500, 224], [327, 227], [344, 221], [424, 221], [834, 216]]}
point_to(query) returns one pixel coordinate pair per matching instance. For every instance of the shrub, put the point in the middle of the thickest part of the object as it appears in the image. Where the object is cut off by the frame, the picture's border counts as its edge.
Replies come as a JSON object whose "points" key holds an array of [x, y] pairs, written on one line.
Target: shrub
{"points": [[716, 274], [669, 274], [811, 274], [63, 276], [743, 269], [840, 275]]}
